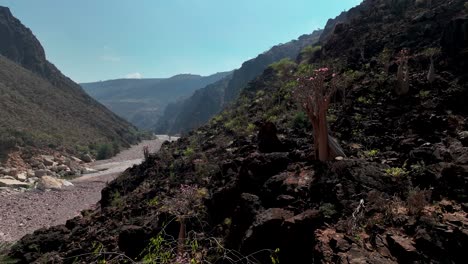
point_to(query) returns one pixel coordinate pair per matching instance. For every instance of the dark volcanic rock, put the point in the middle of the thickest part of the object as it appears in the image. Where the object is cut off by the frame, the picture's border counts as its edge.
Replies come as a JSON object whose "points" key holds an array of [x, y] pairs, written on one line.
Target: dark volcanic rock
{"points": [[132, 240], [268, 140]]}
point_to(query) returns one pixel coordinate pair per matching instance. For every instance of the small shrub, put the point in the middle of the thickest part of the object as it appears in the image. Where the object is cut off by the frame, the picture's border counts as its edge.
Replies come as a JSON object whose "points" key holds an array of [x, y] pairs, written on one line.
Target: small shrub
{"points": [[189, 152], [424, 94], [284, 67], [372, 153], [328, 210], [396, 172], [309, 52], [364, 100], [466, 7], [251, 128], [116, 200], [104, 151], [417, 200]]}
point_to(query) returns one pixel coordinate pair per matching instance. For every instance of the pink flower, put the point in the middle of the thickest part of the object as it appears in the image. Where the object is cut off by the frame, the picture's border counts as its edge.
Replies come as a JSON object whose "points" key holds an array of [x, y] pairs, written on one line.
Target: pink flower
{"points": [[334, 74]]}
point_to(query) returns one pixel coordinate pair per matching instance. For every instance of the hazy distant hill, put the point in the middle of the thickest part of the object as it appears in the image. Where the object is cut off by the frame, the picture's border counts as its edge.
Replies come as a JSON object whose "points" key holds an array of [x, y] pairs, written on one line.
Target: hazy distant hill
{"points": [[40, 106], [142, 101], [205, 103]]}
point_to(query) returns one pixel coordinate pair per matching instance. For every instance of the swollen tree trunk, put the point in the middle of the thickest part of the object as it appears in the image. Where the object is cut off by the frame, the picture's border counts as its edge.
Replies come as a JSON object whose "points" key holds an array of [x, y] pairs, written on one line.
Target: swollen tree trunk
{"points": [[323, 150], [181, 239]]}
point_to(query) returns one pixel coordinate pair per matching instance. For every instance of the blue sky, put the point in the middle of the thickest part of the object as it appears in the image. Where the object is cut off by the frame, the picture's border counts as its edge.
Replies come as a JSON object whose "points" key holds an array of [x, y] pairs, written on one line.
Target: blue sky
{"points": [[91, 40]]}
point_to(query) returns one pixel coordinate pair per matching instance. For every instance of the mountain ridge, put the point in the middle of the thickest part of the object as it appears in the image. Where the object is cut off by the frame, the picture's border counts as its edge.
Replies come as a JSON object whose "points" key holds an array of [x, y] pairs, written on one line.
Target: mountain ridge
{"points": [[202, 106], [36, 80], [141, 101]]}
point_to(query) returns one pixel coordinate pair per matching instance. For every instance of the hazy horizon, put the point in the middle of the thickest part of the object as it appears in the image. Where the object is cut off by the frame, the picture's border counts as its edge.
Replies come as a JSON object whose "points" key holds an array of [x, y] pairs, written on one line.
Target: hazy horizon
{"points": [[152, 39]]}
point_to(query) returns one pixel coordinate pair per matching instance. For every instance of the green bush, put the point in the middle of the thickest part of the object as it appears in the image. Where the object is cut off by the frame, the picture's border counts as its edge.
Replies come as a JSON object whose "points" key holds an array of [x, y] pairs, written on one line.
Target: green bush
{"points": [[105, 151]]}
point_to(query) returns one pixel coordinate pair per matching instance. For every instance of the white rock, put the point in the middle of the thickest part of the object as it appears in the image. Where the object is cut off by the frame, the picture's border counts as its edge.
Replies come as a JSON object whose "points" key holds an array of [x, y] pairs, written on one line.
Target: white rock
{"points": [[66, 183], [86, 170], [22, 176], [48, 182], [75, 159], [13, 183]]}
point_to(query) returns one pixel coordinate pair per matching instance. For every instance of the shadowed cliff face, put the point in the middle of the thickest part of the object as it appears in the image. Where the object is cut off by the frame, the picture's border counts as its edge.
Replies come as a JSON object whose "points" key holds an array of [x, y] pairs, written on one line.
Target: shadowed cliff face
{"points": [[20, 45]]}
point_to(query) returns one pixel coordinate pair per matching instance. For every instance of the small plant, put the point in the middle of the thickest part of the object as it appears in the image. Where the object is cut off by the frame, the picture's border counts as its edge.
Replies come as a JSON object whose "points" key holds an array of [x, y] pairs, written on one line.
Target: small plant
{"points": [[328, 210], [116, 199], [424, 93], [417, 200], [372, 153], [189, 152], [251, 128], [396, 172], [284, 67], [466, 7], [274, 256], [364, 100], [157, 251]]}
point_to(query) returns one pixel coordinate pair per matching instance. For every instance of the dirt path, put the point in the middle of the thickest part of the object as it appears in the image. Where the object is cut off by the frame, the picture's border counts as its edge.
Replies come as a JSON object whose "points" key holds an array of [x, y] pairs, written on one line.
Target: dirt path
{"points": [[22, 213]]}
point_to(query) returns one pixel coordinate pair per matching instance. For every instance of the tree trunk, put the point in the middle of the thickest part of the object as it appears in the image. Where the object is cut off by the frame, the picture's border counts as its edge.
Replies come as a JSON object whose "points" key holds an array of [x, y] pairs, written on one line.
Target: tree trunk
{"points": [[181, 239], [323, 149]]}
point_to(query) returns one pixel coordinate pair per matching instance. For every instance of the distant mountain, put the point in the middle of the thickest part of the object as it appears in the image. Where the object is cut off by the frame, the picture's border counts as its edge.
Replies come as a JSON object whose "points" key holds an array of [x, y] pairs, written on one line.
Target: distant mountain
{"points": [[205, 103], [39, 106], [142, 101]]}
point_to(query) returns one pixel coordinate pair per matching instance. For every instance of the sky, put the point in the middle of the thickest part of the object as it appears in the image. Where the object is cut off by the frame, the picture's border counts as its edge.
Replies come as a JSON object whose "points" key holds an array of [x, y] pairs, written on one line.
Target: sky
{"points": [[93, 40]]}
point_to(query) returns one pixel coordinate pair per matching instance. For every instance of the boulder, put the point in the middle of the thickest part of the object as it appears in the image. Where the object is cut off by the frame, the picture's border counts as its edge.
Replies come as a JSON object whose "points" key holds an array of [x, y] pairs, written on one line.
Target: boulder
{"points": [[48, 182], [265, 232], [402, 248], [41, 173], [268, 140], [48, 160], [132, 240], [13, 183], [63, 168], [86, 158], [22, 176]]}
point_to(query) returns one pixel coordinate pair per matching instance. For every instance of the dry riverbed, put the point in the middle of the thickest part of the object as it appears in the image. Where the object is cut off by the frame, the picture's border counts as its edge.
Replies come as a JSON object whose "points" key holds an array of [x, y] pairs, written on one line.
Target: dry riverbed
{"points": [[22, 213]]}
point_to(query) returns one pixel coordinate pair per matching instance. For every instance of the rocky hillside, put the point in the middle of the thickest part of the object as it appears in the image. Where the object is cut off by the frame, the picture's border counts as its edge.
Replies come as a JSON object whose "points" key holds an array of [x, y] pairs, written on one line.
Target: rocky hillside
{"points": [[245, 188], [41, 107], [205, 103], [142, 101]]}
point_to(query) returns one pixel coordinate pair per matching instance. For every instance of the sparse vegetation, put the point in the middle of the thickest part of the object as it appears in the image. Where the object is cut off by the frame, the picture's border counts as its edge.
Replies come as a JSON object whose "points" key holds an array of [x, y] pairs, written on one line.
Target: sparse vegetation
{"points": [[396, 172]]}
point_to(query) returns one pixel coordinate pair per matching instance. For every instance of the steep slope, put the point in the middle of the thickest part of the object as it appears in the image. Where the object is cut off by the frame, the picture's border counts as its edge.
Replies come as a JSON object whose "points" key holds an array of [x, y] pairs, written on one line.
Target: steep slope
{"points": [[142, 101], [197, 110], [40, 106], [399, 196]]}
